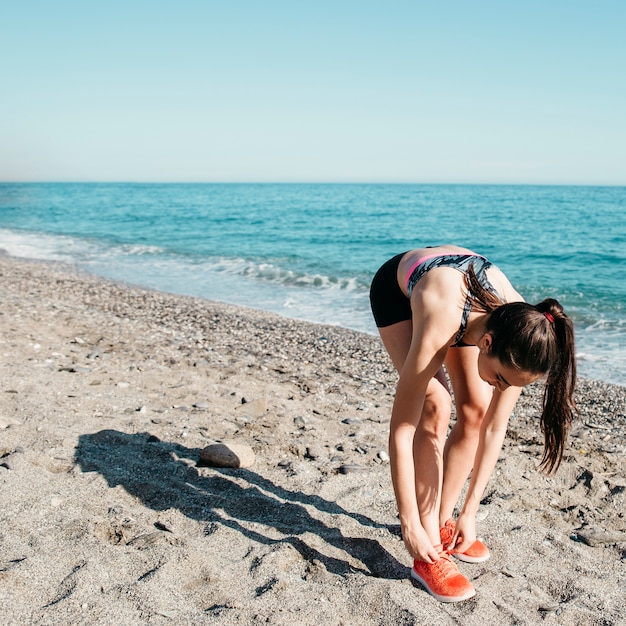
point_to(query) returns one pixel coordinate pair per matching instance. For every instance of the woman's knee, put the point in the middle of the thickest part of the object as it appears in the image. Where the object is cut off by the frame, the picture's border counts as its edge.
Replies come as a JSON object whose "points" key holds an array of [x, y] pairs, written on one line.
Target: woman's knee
{"points": [[436, 414], [470, 414]]}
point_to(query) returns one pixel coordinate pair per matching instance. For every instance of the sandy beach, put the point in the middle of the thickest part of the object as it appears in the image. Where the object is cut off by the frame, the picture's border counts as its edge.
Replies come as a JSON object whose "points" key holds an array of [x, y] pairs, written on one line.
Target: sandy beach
{"points": [[109, 394]]}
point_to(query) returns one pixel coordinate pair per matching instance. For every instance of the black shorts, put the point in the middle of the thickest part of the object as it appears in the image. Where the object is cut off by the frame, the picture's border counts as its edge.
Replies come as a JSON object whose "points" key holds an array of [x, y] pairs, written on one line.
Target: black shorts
{"points": [[388, 302]]}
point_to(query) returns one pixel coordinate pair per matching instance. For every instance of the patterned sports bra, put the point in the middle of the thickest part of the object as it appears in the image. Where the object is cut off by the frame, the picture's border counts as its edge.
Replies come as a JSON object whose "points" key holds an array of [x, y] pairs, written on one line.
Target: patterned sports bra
{"points": [[461, 262]]}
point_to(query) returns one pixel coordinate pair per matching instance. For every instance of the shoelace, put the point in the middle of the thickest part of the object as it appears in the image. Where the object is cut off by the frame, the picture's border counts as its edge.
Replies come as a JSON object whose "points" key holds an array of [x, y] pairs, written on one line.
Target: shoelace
{"points": [[445, 565], [448, 531]]}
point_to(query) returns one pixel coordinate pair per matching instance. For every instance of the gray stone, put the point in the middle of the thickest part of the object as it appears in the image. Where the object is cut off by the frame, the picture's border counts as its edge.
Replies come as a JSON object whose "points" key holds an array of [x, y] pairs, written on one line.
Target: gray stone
{"points": [[227, 455], [351, 468]]}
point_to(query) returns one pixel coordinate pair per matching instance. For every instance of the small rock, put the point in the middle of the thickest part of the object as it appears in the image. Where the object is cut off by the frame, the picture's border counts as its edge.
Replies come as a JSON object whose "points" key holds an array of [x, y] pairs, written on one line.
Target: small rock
{"points": [[200, 405], [383, 456], [313, 452], [163, 526], [351, 468], [256, 408], [596, 537], [227, 455], [5, 422]]}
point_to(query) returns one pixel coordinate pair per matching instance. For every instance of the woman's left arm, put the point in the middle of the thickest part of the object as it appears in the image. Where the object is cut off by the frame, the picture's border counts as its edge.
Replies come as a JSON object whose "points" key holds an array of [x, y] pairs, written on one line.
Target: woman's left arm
{"points": [[492, 433]]}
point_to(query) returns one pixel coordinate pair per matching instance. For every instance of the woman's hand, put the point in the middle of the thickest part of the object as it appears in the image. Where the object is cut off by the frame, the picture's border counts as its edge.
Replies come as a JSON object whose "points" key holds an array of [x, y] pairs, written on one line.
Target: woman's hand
{"points": [[418, 544], [464, 533]]}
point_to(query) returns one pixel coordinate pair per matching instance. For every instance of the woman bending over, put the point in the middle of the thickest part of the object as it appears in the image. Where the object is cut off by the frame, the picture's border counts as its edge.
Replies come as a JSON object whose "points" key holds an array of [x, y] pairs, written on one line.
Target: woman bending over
{"points": [[446, 305]]}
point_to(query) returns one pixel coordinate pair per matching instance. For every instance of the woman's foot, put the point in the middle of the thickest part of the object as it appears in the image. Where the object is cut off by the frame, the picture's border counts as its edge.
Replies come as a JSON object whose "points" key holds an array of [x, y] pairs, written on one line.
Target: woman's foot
{"points": [[443, 580], [476, 553]]}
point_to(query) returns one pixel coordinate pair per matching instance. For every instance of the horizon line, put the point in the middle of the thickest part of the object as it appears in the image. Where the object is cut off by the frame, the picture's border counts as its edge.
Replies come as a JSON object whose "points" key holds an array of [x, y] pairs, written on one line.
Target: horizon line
{"points": [[310, 182]]}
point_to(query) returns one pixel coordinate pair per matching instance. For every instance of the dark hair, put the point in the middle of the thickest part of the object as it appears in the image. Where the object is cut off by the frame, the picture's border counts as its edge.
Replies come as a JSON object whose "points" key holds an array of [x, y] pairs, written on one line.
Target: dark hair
{"points": [[537, 339]]}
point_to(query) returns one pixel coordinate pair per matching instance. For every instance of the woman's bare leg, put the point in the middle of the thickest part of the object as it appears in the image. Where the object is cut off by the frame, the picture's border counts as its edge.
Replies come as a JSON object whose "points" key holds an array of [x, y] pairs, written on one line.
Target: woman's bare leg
{"points": [[431, 430]]}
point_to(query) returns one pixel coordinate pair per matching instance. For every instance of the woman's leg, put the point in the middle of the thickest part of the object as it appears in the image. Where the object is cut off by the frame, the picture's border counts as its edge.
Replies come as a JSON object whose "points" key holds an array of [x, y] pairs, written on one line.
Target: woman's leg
{"points": [[430, 433], [471, 396]]}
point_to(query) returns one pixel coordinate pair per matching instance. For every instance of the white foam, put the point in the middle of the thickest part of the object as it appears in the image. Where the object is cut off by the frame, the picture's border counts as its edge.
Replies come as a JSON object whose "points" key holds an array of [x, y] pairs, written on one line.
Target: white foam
{"points": [[268, 286]]}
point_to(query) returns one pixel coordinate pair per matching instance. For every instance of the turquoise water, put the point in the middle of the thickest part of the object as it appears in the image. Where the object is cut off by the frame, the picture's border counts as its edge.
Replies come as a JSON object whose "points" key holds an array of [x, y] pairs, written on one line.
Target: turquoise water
{"points": [[309, 251]]}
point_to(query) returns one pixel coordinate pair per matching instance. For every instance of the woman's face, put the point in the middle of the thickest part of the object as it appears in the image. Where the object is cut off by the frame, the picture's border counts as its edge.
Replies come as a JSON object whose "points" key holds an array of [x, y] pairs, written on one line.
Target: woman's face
{"points": [[501, 376]]}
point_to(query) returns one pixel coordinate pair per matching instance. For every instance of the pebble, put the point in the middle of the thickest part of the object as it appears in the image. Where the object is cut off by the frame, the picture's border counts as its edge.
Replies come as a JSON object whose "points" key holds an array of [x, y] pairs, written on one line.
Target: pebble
{"points": [[255, 408], [5, 422], [351, 468], [227, 455], [596, 537], [313, 453]]}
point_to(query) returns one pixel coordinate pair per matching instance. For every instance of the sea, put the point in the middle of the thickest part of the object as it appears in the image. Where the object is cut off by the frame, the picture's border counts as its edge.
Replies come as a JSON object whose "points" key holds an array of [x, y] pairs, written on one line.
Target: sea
{"points": [[309, 251]]}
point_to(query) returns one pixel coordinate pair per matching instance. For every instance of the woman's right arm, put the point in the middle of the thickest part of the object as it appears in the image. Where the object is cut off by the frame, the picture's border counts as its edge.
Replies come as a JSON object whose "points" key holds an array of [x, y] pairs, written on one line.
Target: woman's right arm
{"points": [[418, 369], [435, 323]]}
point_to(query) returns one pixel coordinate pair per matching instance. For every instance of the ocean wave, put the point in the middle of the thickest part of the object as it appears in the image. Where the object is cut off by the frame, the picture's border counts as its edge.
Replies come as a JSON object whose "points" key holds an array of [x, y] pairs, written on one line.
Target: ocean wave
{"points": [[273, 273], [43, 246], [69, 249]]}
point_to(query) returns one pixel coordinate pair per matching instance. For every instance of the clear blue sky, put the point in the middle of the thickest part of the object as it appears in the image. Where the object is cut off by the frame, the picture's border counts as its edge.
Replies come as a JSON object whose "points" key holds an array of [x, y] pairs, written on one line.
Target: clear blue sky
{"points": [[410, 91]]}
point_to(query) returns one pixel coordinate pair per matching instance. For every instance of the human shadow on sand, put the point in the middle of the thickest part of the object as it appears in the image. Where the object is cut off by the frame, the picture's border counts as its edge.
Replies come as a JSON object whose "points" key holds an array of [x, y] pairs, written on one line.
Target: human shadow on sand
{"points": [[159, 474]]}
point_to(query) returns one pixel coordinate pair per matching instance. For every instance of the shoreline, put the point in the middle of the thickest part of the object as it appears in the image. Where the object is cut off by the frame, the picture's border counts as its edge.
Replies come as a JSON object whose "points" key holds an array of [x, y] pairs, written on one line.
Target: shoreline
{"points": [[109, 392]]}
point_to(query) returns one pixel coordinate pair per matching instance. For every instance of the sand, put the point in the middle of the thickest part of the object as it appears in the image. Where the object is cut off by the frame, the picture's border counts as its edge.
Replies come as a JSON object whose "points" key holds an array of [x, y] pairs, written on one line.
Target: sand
{"points": [[109, 393]]}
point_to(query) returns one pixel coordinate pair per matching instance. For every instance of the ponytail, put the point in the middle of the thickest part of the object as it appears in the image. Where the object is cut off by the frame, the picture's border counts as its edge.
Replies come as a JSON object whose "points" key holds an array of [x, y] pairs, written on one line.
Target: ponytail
{"points": [[558, 400]]}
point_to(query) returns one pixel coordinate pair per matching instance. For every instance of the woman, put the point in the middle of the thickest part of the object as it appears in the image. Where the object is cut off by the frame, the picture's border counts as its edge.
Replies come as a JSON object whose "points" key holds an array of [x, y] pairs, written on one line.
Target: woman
{"points": [[447, 306]]}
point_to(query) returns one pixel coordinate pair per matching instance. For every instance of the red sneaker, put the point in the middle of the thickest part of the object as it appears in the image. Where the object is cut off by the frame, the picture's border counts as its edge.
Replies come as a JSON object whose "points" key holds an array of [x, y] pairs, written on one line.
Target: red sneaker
{"points": [[443, 580], [476, 553]]}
